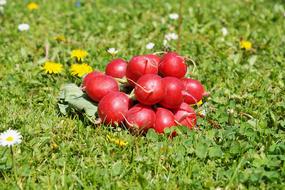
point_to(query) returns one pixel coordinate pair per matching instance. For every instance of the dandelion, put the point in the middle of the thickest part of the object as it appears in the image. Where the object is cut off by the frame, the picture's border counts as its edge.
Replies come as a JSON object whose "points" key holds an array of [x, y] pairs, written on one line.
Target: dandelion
{"points": [[245, 45], [112, 51], [32, 6], [150, 45], [3, 2], [52, 67], [79, 54], [224, 31], [23, 27], [171, 36], [10, 138], [173, 16], [200, 103], [80, 69], [118, 142]]}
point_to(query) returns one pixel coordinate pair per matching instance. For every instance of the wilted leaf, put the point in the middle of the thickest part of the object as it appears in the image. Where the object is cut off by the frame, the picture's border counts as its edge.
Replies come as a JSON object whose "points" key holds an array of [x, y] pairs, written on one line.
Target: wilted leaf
{"points": [[72, 96]]}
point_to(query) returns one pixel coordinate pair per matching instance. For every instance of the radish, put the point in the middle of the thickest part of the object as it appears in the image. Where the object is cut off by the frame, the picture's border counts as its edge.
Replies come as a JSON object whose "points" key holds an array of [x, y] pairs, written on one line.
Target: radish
{"points": [[140, 116], [173, 92], [155, 58], [100, 86], [113, 107], [90, 76], [116, 68], [172, 64], [149, 89], [140, 65], [164, 119], [193, 91], [185, 115]]}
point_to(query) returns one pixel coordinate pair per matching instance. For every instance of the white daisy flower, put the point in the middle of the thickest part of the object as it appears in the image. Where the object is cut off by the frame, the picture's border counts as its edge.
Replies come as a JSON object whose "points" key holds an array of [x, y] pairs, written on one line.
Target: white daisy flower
{"points": [[224, 31], [171, 36], [10, 138], [173, 16], [3, 2], [150, 45], [23, 27], [112, 51]]}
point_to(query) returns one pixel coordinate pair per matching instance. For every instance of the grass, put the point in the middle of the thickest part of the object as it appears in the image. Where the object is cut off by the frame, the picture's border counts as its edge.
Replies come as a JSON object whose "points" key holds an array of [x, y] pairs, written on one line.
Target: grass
{"points": [[246, 103]]}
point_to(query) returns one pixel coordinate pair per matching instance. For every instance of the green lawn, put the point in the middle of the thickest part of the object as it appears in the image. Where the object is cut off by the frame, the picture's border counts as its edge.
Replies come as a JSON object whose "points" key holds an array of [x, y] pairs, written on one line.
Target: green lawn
{"points": [[241, 147]]}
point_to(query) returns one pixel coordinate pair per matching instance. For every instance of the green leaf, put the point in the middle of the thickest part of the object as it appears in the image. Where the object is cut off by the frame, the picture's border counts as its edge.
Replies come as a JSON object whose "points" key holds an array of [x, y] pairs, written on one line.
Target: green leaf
{"points": [[215, 151], [201, 150], [252, 60], [152, 135], [116, 168]]}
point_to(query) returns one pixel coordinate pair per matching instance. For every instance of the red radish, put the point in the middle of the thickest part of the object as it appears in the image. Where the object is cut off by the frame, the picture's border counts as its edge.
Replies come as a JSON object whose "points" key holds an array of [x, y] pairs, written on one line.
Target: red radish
{"points": [[140, 116], [116, 68], [172, 64], [193, 90], [113, 107], [155, 58], [185, 115], [100, 86], [149, 89], [140, 65], [90, 76], [173, 92], [164, 119]]}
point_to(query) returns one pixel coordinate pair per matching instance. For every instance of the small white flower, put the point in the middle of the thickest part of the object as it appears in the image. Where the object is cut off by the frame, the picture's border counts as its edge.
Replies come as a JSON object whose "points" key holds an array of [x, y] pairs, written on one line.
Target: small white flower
{"points": [[112, 51], [3, 2], [23, 27], [150, 45], [173, 16], [165, 42], [171, 36], [224, 31], [10, 138]]}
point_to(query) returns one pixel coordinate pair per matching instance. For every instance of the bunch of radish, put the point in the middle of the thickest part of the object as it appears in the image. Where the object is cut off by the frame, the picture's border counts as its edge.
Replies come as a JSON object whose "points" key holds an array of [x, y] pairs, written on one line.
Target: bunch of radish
{"points": [[147, 92]]}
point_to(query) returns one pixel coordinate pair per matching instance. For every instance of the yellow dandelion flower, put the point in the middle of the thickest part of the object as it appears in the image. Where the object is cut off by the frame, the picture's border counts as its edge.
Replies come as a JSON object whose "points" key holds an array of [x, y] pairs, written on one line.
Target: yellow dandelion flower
{"points": [[32, 6], [245, 45], [51, 67], [118, 142], [60, 38], [78, 54], [80, 69], [200, 103]]}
